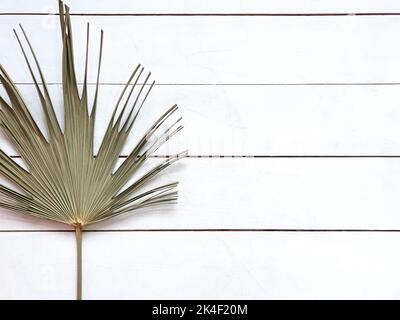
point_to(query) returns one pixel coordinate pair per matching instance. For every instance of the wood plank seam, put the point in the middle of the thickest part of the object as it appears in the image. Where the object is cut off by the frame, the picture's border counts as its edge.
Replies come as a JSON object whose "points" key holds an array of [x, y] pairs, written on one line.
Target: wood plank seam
{"points": [[232, 14], [233, 84], [199, 230], [266, 156]]}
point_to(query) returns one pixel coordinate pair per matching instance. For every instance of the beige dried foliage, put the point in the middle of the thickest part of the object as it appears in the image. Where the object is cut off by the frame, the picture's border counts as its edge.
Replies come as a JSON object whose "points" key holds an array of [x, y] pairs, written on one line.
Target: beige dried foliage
{"points": [[63, 179]]}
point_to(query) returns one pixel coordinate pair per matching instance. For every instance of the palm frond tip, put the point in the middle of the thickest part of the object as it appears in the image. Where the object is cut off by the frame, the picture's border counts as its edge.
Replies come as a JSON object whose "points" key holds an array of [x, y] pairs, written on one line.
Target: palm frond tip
{"points": [[63, 180]]}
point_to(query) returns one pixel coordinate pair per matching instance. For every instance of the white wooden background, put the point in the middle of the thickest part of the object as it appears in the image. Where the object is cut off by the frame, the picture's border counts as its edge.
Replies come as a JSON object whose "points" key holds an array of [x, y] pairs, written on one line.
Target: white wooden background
{"points": [[304, 109]]}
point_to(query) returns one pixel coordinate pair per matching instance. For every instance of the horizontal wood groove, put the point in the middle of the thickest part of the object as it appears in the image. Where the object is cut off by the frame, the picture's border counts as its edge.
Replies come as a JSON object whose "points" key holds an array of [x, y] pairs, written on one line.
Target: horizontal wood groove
{"points": [[198, 14], [203, 230], [261, 156], [232, 84]]}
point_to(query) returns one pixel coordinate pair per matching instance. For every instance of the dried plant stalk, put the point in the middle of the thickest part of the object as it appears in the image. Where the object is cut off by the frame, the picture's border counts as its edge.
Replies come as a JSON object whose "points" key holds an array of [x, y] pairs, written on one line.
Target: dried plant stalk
{"points": [[64, 180]]}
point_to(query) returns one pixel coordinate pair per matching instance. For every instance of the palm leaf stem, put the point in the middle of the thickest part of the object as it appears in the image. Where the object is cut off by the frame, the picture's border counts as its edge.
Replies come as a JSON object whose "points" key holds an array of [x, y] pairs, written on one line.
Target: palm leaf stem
{"points": [[78, 236]]}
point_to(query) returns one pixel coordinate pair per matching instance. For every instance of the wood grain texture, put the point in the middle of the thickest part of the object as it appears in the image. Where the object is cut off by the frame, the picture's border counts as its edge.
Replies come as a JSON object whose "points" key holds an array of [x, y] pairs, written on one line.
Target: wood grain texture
{"points": [[221, 49], [247, 85], [266, 194], [257, 120], [196, 6], [202, 266]]}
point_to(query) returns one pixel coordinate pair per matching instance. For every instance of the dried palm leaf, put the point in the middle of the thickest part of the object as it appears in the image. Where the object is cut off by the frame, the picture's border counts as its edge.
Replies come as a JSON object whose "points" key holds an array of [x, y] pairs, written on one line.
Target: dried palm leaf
{"points": [[63, 180]]}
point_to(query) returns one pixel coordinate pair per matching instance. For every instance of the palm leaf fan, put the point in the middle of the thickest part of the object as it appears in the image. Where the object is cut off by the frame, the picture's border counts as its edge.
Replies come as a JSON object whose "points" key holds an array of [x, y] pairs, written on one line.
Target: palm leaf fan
{"points": [[62, 178]]}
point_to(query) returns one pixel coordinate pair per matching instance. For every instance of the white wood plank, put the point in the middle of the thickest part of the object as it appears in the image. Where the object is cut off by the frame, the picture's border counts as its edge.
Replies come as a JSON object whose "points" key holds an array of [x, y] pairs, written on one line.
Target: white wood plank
{"points": [[198, 6], [202, 266], [266, 193], [37, 266], [261, 120], [221, 49]]}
